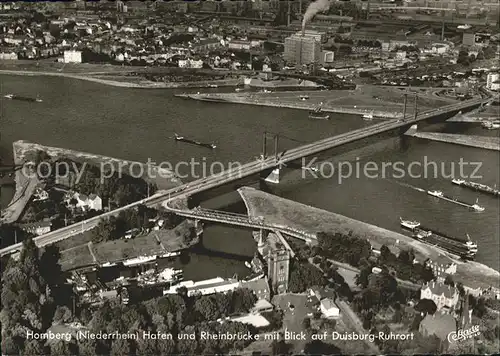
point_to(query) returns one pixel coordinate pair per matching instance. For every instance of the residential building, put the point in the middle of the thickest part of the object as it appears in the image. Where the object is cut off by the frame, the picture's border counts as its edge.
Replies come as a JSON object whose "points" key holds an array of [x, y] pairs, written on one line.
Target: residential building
{"points": [[37, 228], [94, 202], [9, 55], [278, 266], [261, 306], [491, 78], [190, 63], [441, 270], [440, 325], [302, 49], [256, 320], [72, 56], [327, 57], [206, 45], [468, 39], [84, 202], [329, 309], [260, 287], [445, 296], [240, 45]]}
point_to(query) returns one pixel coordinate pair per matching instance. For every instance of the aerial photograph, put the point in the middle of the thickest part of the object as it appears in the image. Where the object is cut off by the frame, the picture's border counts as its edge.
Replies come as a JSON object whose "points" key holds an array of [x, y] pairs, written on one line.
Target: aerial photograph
{"points": [[259, 177]]}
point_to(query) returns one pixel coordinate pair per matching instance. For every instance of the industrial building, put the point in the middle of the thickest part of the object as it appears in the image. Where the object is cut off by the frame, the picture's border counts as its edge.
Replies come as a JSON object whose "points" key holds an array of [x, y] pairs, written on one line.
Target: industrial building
{"points": [[303, 48]]}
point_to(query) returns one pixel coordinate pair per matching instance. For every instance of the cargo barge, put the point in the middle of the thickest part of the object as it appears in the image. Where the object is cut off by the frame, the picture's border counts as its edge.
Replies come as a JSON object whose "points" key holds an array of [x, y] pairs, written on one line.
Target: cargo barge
{"points": [[193, 142], [477, 187], [22, 98], [464, 249]]}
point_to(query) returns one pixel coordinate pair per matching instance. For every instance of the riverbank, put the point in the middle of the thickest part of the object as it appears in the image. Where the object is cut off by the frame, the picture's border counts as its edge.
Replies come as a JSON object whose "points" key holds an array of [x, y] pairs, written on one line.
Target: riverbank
{"points": [[381, 102], [25, 186], [163, 178], [127, 82], [282, 211]]}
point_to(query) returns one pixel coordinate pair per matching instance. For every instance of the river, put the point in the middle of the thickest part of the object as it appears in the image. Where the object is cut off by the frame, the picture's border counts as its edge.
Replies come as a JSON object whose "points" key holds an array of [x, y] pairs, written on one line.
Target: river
{"points": [[138, 124]]}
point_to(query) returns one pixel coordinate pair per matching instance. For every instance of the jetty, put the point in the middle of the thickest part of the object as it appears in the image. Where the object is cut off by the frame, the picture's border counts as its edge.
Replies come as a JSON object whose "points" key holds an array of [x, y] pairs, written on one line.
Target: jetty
{"points": [[477, 187], [484, 142]]}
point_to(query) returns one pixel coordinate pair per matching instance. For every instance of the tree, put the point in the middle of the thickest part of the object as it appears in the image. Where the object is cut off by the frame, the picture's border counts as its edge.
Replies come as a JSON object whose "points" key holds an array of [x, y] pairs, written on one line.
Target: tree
{"points": [[317, 347], [426, 306], [120, 347], [207, 307], [303, 276], [243, 299], [280, 348], [33, 347], [62, 348], [362, 277], [449, 281]]}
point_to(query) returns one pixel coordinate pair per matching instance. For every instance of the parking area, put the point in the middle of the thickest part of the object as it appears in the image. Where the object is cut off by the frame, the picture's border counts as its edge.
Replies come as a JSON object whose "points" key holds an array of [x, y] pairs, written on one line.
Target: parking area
{"points": [[294, 315]]}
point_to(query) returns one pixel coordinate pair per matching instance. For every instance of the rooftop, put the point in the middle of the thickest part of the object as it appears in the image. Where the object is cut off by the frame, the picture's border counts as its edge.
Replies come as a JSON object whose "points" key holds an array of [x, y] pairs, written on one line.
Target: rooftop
{"points": [[439, 324], [441, 289]]}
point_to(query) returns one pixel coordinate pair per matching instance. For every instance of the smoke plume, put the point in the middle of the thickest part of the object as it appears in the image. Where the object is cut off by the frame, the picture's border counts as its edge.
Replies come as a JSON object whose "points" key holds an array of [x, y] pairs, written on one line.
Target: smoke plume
{"points": [[313, 9]]}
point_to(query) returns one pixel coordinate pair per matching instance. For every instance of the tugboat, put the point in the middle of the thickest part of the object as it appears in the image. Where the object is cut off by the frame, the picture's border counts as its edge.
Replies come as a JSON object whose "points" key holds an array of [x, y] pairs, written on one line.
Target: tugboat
{"points": [[435, 193], [458, 181], [409, 224], [422, 234], [318, 114], [477, 207], [304, 97], [471, 246]]}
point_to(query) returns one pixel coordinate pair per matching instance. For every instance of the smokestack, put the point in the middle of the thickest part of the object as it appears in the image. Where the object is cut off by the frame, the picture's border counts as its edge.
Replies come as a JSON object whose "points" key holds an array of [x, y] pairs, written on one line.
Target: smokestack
{"points": [[289, 10], [313, 9]]}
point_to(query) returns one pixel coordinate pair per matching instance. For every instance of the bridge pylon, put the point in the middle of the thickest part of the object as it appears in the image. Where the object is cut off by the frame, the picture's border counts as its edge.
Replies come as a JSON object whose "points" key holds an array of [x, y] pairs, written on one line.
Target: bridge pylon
{"points": [[273, 176]]}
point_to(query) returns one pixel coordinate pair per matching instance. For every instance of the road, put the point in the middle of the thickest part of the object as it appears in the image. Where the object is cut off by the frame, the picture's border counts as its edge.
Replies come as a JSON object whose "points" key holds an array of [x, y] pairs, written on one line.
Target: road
{"points": [[245, 170]]}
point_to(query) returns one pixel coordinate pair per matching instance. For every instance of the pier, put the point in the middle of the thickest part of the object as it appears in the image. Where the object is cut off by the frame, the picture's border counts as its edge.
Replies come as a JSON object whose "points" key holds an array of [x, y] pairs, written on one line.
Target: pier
{"points": [[484, 142]]}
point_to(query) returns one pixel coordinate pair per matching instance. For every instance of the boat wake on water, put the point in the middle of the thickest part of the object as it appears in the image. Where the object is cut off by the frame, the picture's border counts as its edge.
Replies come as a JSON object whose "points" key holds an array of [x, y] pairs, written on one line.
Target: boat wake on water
{"points": [[403, 184]]}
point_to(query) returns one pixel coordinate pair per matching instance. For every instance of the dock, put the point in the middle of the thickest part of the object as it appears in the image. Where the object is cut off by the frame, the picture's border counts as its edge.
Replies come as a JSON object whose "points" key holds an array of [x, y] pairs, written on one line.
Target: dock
{"points": [[478, 187], [484, 142]]}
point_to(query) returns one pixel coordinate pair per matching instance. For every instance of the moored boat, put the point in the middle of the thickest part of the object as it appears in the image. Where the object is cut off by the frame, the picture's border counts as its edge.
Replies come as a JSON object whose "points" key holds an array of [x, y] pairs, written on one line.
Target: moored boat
{"points": [[368, 117], [458, 181], [409, 224], [318, 114]]}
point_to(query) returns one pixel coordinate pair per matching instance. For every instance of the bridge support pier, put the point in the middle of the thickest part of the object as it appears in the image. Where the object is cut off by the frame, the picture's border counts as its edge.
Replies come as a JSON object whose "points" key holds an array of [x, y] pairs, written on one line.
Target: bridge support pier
{"points": [[198, 228], [271, 177]]}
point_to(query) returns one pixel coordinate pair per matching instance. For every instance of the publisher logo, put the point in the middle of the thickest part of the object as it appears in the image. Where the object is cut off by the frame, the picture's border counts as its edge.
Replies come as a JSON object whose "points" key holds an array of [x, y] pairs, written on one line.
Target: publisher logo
{"points": [[462, 335]]}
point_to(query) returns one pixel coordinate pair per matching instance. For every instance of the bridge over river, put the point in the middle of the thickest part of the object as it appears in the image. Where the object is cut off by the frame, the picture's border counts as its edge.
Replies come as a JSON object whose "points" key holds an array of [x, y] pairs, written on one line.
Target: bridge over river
{"points": [[265, 165]]}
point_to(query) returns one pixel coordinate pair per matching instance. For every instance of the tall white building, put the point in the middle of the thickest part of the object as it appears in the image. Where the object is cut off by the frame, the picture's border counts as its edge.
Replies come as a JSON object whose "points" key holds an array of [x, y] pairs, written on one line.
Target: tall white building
{"points": [[302, 49], [72, 56], [491, 80]]}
